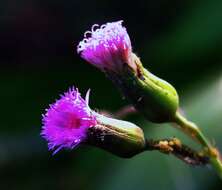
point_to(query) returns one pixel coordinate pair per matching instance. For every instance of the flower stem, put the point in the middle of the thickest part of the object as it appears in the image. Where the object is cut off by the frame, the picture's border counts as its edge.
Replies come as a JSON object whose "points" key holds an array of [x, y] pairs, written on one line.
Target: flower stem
{"points": [[175, 147], [193, 131]]}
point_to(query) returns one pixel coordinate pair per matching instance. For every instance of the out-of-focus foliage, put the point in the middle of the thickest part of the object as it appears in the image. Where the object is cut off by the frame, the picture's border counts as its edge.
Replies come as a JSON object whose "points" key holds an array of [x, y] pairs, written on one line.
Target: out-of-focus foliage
{"points": [[181, 41]]}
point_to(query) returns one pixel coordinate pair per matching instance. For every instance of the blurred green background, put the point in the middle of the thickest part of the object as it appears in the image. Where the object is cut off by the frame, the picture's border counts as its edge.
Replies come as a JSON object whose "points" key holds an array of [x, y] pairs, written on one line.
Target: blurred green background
{"points": [[180, 41]]}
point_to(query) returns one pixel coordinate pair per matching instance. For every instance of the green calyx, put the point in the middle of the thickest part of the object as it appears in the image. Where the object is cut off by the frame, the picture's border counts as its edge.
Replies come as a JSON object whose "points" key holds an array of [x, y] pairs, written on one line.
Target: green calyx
{"points": [[119, 137], [155, 98]]}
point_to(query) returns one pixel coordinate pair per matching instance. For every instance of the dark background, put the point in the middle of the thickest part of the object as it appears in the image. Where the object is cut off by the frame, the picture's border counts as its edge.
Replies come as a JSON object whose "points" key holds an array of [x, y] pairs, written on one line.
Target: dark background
{"points": [[180, 41]]}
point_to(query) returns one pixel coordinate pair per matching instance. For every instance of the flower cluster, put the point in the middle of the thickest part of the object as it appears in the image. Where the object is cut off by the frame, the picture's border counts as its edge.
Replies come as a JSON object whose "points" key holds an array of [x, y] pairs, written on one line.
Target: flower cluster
{"points": [[69, 121]]}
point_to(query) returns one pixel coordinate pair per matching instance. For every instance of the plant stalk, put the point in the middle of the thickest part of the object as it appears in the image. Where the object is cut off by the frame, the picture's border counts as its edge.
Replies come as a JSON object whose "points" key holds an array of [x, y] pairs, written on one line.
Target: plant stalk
{"points": [[192, 130]]}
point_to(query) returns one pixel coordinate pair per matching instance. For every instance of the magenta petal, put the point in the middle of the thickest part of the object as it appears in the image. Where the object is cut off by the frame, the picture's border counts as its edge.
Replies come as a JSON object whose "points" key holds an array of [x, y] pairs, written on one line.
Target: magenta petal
{"points": [[107, 47], [66, 121]]}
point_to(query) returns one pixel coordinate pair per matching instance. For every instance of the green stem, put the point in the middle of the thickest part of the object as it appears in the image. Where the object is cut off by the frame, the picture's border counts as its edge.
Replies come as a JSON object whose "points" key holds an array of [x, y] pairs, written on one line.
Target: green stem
{"points": [[193, 131]]}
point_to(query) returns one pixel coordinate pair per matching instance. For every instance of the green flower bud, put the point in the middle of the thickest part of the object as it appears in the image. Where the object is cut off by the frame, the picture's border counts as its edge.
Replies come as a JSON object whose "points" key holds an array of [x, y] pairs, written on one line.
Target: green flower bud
{"points": [[119, 137], [155, 98]]}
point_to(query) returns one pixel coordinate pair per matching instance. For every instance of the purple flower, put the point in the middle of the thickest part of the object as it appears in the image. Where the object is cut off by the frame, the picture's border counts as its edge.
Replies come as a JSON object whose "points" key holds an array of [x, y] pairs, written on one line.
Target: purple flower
{"points": [[107, 47], [66, 122]]}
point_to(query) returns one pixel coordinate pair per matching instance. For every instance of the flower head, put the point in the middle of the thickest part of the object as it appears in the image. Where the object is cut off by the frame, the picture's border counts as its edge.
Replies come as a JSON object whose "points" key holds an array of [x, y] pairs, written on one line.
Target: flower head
{"points": [[66, 122], [107, 47]]}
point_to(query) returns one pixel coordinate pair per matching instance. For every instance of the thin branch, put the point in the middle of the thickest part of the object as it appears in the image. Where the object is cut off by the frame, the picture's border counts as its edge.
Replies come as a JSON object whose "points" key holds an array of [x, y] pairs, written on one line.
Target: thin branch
{"points": [[121, 113], [175, 147]]}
